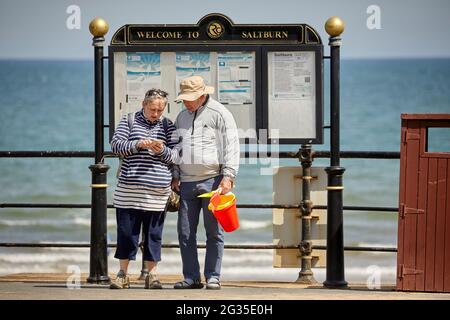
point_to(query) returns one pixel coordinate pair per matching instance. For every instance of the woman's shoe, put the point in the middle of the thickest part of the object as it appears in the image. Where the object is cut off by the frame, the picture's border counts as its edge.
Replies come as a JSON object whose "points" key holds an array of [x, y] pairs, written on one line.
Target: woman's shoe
{"points": [[122, 281], [152, 282]]}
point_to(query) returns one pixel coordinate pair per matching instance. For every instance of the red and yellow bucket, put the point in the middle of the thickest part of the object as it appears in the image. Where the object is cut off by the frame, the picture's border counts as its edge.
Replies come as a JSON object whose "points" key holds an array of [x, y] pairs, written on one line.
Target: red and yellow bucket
{"points": [[223, 206]]}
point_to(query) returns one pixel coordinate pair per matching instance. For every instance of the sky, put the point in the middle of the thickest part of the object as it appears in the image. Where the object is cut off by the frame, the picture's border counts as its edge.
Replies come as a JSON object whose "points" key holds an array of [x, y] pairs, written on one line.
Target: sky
{"points": [[402, 29]]}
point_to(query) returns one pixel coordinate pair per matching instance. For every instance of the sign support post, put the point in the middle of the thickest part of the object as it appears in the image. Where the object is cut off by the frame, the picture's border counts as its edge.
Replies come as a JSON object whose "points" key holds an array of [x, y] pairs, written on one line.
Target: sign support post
{"points": [[98, 265], [335, 277]]}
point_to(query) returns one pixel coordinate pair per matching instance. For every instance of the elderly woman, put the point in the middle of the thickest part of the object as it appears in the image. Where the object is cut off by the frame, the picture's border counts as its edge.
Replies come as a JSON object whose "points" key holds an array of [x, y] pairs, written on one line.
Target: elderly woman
{"points": [[143, 184]]}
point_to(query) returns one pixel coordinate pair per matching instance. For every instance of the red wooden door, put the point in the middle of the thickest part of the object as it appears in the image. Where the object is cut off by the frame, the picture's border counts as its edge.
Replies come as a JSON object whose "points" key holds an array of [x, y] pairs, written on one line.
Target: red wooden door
{"points": [[423, 257]]}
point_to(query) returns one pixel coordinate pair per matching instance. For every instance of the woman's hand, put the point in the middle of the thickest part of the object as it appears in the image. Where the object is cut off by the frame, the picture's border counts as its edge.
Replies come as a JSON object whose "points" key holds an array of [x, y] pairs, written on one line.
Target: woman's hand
{"points": [[175, 185], [145, 144], [157, 146], [149, 144]]}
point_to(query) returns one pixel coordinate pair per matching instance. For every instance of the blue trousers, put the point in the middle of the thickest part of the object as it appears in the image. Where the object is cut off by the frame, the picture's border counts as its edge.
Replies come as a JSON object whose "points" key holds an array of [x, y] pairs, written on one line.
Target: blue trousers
{"points": [[129, 223], [188, 218]]}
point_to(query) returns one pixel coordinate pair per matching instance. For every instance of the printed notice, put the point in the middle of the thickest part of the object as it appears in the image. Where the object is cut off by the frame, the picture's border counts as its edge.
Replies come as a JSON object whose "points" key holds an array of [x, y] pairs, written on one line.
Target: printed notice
{"points": [[292, 75], [235, 77], [193, 64], [143, 73]]}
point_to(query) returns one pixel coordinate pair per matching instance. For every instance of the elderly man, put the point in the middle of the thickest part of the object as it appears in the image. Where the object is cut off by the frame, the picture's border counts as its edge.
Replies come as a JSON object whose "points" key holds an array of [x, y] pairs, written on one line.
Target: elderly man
{"points": [[209, 161]]}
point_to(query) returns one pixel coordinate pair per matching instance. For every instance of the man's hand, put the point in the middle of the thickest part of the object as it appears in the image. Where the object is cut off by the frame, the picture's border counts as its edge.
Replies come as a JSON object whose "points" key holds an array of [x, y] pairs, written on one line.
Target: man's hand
{"points": [[225, 185], [175, 185]]}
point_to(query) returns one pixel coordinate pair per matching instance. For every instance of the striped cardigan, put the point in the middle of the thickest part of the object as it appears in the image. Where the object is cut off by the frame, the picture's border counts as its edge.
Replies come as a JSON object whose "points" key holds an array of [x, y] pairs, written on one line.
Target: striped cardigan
{"points": [[144, 180]]}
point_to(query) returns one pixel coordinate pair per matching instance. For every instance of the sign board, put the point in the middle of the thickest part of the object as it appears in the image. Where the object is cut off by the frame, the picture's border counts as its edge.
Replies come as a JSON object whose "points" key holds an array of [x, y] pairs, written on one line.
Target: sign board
{"points": [[287, 223], [268, 76]]}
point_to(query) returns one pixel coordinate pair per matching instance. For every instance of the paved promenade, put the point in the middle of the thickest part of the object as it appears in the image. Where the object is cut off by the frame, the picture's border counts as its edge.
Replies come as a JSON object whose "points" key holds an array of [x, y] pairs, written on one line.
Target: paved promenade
{"points": [[54, 287]]}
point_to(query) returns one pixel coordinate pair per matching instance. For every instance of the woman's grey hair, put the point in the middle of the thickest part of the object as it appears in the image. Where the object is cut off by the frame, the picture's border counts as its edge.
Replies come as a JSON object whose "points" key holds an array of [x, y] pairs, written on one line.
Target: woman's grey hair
{"points": [[155, 94]]}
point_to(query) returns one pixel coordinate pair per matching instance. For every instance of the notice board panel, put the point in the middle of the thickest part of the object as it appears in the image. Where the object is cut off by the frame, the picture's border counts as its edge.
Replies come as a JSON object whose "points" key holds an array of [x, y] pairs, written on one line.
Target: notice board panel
{"points": [[293, 94], [270, 77], [235, 75]]}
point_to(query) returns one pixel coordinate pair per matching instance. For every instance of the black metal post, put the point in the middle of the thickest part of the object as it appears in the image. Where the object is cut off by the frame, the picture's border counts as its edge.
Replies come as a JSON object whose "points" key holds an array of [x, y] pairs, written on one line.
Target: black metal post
{"points": [[335, 277], [98, 89], [305, 275], [98, 267]]}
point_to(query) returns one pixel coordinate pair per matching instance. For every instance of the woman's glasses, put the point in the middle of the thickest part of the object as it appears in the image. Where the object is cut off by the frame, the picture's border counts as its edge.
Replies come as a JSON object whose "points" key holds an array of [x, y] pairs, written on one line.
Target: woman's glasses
{"points": [[156, 92]]}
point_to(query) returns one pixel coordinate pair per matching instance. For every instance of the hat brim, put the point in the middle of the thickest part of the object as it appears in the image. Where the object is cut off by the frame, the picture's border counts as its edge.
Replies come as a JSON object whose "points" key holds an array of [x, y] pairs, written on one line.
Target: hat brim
{"points": [[191, 96]]}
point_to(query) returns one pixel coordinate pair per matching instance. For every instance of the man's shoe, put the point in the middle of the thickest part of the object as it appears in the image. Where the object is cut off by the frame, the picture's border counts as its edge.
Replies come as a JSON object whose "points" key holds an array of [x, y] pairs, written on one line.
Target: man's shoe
{"points": [[152, 282], [185, 284], [122, 281], [213, 284]]}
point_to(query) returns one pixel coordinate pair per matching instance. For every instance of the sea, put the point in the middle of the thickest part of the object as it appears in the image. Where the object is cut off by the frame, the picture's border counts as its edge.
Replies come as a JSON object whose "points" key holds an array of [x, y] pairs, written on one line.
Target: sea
{"points": [[49, 105]]}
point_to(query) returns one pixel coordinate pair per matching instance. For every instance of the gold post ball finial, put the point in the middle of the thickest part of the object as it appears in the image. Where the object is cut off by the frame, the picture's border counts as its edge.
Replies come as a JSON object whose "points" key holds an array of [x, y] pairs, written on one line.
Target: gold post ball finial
{"points": [[98, 27], [334, 26]]}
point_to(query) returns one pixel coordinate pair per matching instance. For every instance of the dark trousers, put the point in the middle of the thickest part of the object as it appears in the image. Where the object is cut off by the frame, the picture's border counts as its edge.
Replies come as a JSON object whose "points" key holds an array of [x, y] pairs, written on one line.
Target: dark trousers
{"points": [[129, 223]]}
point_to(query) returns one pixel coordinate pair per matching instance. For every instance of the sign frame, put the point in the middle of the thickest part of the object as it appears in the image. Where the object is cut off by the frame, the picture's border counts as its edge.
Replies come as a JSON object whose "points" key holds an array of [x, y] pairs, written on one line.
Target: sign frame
{"points": [[259, 38], [318, 52]]}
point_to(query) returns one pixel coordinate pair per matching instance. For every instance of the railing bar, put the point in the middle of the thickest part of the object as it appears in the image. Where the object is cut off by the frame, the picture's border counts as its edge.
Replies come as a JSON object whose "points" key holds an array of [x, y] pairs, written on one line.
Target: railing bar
{"points": [[353, 248], [360, 154], [242, 206], [245, 154], [202, 246]]}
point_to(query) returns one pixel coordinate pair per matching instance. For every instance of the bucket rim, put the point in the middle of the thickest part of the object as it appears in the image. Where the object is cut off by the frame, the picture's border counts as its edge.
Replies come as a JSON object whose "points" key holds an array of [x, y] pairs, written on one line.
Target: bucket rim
{"points": [[230, 203]]}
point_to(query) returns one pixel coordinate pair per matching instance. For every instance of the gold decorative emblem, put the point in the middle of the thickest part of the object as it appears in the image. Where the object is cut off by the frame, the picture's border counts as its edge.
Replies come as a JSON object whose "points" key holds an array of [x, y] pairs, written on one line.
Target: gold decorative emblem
{"points": [[215, 30]]}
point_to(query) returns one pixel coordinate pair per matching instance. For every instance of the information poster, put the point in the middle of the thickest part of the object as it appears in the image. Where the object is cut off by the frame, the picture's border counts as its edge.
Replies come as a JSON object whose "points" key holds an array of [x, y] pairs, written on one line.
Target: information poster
{"points": [[291, 77], [193, 64], [235, 77], [292, 100], [143, 73]]}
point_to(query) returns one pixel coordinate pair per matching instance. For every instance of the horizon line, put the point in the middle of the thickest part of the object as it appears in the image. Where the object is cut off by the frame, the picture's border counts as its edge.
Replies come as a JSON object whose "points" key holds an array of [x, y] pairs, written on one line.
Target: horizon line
{"points": [[85, 59]]}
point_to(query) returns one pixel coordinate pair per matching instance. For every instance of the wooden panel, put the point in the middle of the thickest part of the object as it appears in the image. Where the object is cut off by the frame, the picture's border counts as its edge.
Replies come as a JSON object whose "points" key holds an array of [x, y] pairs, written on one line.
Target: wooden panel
{"points": [[424, 138], [426, 116], [421, 223], [401, 226], [431, 224], [424, 231], [440, 225], [447, 234], [410, 220]]}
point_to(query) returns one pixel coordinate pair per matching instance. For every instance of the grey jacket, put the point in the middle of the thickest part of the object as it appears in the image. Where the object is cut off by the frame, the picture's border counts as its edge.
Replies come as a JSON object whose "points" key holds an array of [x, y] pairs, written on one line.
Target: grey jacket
{"points": [[209, 143]]}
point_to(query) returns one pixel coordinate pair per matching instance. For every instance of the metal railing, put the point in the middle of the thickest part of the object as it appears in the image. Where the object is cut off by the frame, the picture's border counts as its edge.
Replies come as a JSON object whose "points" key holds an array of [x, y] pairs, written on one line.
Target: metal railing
{"points": [[284, 155]]}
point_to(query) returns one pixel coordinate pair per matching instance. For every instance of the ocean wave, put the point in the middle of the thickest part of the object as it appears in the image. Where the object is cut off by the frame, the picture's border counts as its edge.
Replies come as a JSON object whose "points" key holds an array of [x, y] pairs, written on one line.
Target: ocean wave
{"points": [[36, 222], [81, 221], [376, 245], [252, 224], [43, 257], [87, 222]]}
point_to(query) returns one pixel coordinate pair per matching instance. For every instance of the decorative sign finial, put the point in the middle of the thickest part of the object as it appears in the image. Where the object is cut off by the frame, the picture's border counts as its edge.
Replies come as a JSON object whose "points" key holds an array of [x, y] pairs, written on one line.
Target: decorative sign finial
{"points": [[98, 27], [334, 26]]}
